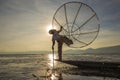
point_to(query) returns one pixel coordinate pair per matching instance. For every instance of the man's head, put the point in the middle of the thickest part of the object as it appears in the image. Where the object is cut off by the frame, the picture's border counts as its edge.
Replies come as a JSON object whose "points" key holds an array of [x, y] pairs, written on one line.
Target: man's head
{"points": [[52, 31]]}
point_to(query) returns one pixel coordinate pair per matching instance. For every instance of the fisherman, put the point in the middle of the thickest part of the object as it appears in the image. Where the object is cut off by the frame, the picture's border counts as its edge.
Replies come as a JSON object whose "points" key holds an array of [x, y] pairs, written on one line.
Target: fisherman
{"points": [[60, 40]]}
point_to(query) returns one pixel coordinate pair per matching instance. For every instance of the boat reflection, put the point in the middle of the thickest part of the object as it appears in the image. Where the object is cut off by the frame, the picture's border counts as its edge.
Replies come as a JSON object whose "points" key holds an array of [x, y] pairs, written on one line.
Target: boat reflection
{"points": [[56, 72]]}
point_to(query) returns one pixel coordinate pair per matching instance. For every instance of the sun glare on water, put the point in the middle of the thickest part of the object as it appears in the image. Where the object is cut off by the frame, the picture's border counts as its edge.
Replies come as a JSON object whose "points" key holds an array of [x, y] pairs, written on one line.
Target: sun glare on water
{"points": [[51, 72], [50, 56]]}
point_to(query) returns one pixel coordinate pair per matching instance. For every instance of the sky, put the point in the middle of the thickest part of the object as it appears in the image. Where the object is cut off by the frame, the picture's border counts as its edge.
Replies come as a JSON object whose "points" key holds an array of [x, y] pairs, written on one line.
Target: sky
{"points": [[24, 23]]}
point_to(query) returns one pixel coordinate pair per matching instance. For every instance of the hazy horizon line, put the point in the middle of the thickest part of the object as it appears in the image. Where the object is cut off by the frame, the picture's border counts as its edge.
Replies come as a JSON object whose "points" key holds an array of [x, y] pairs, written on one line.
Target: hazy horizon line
{"points": [[51, 50]]}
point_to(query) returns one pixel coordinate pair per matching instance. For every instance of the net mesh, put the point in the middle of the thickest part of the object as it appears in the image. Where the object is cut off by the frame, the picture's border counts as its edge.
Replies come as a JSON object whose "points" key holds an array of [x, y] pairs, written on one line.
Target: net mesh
{"points": [[80, 23]]}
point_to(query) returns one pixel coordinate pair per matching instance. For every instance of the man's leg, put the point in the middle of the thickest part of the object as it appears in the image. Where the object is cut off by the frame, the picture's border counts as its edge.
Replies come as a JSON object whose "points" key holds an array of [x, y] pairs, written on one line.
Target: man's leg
{"points": [[60, 50]]}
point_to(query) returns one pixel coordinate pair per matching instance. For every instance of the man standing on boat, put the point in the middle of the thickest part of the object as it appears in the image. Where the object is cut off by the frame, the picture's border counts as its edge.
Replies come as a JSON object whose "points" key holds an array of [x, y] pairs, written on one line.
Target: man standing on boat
{"points": [[60, 40]]}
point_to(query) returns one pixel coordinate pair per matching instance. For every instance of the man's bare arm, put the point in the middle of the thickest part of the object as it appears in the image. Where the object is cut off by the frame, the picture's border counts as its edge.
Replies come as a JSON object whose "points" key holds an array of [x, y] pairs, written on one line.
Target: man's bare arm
{"points": [[53, 43], [60, 29]]}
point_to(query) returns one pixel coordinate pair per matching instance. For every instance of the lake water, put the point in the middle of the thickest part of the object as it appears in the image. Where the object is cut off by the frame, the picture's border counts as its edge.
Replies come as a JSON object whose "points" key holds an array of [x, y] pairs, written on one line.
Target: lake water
{"points": [[40, 67]]}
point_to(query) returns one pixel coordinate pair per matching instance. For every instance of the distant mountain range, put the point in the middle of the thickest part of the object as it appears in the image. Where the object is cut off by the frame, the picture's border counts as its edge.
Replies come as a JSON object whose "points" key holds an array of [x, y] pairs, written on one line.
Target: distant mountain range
{"points": [[112, 49], [104, 50]]}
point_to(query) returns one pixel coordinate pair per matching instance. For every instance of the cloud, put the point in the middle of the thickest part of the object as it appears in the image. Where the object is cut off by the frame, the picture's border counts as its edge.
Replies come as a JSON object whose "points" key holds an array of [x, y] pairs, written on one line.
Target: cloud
{"points": [[22, 25], [23, 22]]}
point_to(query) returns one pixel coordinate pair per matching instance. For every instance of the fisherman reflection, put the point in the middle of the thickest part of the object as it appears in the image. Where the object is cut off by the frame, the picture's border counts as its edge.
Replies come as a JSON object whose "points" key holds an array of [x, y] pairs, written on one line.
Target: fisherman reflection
{"points": [[53, 75]]}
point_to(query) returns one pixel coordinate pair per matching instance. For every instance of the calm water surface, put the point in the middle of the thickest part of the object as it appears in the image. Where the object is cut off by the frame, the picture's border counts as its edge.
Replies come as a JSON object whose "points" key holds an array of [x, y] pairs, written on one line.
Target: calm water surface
{"points": [[40, 67]]}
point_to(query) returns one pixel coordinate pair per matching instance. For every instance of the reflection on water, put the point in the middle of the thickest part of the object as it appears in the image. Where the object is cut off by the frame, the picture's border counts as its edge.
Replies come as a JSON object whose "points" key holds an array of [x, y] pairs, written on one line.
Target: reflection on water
{"points": [[52, 73], [51, 62], [60, 73], [40, 67]]}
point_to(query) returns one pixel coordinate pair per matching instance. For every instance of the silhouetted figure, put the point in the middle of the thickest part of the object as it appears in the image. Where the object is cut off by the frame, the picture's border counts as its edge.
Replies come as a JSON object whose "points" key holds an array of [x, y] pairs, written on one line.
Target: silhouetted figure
{"points": [[60, 40]]}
